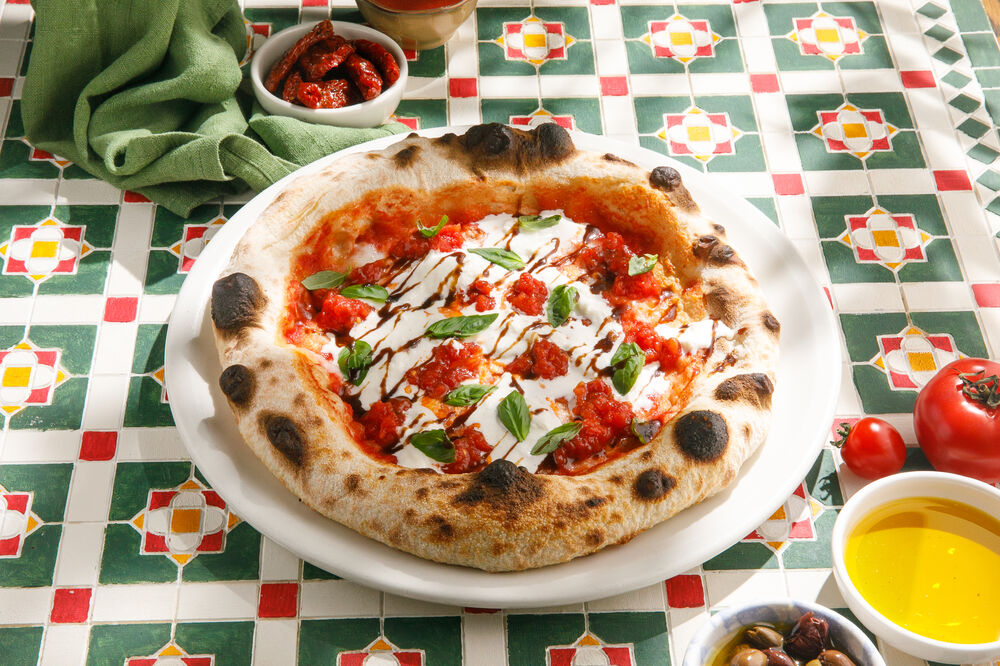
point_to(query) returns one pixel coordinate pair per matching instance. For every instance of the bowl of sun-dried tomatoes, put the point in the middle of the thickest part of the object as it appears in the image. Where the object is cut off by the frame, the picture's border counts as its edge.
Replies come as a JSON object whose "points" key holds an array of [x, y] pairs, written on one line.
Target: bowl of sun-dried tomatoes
{"points": [[330, 72]]}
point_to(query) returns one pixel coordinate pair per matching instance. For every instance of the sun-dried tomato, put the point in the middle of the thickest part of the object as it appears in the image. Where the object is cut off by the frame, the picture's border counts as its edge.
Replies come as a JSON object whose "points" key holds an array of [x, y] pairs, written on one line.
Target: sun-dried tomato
{"points": [[528, 294], [340, 314], [381, 58], [478, 293], [322, 57], [382, 422], [364, 75], [471, 451], [290, 92], [604, 421], [323, 94], [544, 360], [450, 364], [322, 30]]}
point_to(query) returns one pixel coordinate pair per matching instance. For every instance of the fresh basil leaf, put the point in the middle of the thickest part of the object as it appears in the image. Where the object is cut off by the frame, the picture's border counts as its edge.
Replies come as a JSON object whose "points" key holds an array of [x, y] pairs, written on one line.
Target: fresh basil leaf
{"points": [[556, 437], [645, 431], [500, 257], [536, 222], [642, 264], [460, 327], [431, 232], [324, 280], [561, 302], [371, 292], [514, 415], [435, 445], [355, 360], [467, 394], [627, 361]]}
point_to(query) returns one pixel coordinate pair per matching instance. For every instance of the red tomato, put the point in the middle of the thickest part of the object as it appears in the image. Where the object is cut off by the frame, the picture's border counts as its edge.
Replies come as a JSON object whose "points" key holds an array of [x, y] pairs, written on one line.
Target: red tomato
{"points": [[872, 448], [957, 419]]}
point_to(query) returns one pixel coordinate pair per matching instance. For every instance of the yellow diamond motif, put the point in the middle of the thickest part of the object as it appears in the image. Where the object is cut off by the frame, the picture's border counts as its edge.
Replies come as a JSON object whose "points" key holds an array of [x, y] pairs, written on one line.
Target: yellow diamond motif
{"points": [[380, 644], [16, 377], [701, 133], [44, 249], [779, 514], [588, 639], [170, 651], [827, 35], [921, 361], [885, 238], [855, 130], [180, 559], [190, 484]]}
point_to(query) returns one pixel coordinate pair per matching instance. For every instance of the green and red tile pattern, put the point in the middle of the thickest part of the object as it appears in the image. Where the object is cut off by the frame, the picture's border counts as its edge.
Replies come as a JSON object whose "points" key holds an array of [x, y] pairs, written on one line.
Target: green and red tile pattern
{"points": [[867, 131]]}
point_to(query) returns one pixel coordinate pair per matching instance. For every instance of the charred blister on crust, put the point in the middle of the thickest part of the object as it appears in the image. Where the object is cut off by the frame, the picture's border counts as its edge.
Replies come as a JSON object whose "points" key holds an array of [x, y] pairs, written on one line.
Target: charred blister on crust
{"points": [[594, 538], [406, 156], [236, 302], [441, 529], [285, 437], [653, 484], [665, 178], [504, 486], [611, 157], [755, 388], [721, 304], [497, 145], [709, 248], [702, 435], [237, 383], [771, 322], [352, 484]]}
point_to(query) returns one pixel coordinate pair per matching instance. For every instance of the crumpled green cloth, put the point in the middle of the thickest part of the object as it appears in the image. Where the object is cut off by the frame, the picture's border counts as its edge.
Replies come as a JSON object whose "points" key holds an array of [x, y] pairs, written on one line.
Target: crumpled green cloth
{"points": [[149, 96]]}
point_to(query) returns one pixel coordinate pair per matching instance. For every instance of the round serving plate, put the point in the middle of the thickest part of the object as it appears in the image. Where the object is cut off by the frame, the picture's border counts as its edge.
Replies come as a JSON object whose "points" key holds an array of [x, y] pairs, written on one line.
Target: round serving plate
{"points": [[808, 382]]}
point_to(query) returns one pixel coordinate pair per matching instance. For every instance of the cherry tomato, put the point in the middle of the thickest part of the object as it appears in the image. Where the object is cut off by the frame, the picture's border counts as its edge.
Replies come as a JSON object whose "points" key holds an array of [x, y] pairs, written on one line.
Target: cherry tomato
{"points": [[871, 448], [957, 419]]}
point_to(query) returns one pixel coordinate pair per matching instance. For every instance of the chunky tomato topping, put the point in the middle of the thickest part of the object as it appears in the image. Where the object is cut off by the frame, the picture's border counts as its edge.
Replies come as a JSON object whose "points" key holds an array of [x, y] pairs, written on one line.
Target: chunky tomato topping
{"points": [[544, 360], [340, 314], [382, 422], [448, 367], [609, 253], [478, 293], [636, 287], [471, 450], [665, 350], [528, 295], [371, 272], [448, 239], [604, 420]]}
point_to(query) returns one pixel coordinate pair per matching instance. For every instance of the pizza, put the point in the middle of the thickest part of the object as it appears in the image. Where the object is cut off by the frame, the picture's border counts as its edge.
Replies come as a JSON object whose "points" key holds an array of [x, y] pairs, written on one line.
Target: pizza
{"points": [[494, 349]]}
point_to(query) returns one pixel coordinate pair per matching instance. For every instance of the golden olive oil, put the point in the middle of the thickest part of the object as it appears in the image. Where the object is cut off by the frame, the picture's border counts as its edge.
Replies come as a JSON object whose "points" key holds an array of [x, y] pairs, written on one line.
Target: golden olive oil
{"points": [[932, 566]]}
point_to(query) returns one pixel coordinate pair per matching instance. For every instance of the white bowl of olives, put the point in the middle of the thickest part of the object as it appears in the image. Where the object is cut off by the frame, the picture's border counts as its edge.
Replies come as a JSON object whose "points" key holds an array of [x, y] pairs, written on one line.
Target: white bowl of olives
{"points": [[781, 632]]}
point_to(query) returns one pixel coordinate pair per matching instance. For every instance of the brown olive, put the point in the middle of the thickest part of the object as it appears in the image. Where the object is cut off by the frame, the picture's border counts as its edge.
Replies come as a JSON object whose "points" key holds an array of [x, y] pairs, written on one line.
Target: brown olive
{"points": [[776, 657], [748, 657], [764, 637], [834, 658], [808, 637]]}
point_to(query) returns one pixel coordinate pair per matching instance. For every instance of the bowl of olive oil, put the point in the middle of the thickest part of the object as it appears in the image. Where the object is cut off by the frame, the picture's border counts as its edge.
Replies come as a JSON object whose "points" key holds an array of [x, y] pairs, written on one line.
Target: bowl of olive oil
{"points": [[917, 558]]}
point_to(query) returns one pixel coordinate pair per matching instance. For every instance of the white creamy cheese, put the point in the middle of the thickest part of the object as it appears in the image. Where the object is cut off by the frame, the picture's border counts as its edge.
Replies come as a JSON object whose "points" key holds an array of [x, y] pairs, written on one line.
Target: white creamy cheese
{"points": [[395, 332]]}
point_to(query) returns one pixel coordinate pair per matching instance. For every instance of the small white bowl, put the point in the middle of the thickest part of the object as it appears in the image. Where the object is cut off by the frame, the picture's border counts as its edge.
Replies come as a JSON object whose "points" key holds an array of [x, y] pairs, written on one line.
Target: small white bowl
{"points": [[900, 486], [720, 628], [372, 113]]}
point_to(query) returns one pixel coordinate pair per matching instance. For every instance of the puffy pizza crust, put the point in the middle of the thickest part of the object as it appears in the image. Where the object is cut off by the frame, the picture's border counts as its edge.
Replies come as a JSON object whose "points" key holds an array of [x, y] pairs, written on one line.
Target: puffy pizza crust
{"points": [[502, 518]]}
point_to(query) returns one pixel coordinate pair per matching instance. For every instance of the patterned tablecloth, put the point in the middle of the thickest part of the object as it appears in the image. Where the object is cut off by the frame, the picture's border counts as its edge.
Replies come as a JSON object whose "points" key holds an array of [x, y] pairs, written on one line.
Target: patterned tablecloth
{"points": [[865, 130]]}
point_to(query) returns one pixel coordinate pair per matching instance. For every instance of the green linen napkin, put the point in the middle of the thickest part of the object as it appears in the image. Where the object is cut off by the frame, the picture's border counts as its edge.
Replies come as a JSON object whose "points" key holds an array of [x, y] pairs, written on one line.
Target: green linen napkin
{"points": [[150, 97]]}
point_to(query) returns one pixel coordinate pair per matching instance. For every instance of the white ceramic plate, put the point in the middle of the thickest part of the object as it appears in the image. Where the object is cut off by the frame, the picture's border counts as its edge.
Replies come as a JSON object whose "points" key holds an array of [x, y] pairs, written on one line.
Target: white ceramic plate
{"points": [[808, 381]]}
